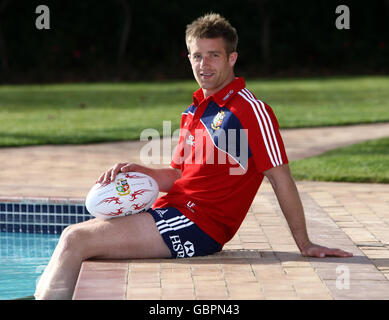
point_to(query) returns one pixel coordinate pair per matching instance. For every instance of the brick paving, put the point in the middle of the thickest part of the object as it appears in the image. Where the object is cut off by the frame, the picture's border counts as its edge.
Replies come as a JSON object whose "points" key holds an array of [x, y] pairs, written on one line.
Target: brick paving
{"points": [[262, 260]]}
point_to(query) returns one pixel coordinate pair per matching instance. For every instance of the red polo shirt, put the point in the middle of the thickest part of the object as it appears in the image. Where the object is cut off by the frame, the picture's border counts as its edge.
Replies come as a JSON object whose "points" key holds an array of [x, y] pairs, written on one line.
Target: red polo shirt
{"points": [[226, 143]]}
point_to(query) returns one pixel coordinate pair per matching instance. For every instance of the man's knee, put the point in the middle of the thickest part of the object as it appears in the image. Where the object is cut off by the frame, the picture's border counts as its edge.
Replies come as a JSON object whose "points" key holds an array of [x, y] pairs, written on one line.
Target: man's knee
{"points": [[73, 239]]}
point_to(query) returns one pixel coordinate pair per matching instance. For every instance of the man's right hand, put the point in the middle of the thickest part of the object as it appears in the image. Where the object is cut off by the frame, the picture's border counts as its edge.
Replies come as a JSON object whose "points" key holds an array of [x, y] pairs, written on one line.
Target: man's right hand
{"points": [[165, 177], [110, 174]]}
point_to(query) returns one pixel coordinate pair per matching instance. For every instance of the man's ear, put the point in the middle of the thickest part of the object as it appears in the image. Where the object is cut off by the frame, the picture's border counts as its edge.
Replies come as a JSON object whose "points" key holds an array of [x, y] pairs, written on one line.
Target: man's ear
{"points": [[190, 61], [232, 58]]}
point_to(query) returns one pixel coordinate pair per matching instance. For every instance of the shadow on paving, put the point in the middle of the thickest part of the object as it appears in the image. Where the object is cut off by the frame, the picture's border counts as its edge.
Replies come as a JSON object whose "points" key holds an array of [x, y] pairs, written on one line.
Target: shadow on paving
{"points": [[244, 256]]}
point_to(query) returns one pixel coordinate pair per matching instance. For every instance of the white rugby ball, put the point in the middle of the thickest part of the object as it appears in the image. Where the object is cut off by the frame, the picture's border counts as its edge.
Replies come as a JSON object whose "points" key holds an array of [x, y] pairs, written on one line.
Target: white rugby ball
{"points": [[130, 193]]}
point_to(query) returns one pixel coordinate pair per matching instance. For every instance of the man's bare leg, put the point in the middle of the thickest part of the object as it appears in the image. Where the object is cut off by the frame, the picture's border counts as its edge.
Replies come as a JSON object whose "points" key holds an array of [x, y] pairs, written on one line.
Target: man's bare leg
{"points": [[134, 236]]}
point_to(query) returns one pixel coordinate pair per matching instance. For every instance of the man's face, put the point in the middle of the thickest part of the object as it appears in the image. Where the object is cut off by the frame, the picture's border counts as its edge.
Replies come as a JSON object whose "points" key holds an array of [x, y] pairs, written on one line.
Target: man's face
{"points": [[211, 67]]}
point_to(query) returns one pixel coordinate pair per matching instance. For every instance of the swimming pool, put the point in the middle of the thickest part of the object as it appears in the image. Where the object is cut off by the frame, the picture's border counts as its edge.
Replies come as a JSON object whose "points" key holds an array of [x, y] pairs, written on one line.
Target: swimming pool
{"points": [[23, 258], [29, 231]]}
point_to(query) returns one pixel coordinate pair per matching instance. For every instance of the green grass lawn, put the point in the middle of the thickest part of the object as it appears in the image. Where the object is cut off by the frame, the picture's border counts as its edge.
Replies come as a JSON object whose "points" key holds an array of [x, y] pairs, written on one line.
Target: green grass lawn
{"points": [[84, 113], [326, 102], [362, 162]]}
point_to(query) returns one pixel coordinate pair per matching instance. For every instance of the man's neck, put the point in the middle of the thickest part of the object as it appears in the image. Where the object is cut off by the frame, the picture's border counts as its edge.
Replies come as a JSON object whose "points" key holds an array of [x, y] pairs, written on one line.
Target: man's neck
{"points": [[210, 92]]}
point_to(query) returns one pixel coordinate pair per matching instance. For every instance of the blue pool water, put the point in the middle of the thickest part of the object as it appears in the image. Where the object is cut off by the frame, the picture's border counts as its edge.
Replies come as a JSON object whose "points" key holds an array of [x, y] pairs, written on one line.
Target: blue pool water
{"points": [[23, 257]]}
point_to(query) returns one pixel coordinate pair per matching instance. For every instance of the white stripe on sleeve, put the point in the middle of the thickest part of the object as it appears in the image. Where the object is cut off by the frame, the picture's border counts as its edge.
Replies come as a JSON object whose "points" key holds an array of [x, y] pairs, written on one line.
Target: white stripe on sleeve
{"points": [[273, 135], [261, 128], [263, 120]]}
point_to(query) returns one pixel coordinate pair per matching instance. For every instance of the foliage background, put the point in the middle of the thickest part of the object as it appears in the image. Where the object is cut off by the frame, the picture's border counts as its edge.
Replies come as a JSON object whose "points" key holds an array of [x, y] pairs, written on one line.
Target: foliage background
{"points": [[125, 40]]}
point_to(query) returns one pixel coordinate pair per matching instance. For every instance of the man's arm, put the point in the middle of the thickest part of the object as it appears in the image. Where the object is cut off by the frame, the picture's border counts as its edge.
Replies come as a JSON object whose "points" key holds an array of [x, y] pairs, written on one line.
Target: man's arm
{"points": [[291, 206], [165, 177]]}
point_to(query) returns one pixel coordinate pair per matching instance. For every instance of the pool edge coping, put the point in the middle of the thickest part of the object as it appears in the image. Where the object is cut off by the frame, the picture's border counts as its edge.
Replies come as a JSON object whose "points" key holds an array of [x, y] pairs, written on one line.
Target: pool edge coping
{"points": [[43, 200]]}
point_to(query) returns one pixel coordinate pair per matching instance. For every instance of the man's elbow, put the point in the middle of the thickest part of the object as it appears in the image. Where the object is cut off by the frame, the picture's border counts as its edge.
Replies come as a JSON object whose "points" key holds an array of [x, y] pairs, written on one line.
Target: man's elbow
{"points": [[277, 175]]}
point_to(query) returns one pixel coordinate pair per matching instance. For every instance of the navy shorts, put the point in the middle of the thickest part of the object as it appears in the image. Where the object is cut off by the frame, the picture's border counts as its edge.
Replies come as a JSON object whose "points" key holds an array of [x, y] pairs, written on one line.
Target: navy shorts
{"points": [[183, 237]]}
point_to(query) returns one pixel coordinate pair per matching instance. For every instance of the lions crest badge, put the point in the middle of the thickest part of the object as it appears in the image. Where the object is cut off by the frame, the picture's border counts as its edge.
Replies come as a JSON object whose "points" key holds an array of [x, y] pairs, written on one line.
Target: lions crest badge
{"points": [[122, 187], [218, 120]]}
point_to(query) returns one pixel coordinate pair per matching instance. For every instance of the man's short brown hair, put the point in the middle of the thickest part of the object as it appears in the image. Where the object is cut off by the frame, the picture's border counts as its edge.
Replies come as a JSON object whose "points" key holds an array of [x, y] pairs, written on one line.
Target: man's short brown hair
{"points": [[211, 26]]}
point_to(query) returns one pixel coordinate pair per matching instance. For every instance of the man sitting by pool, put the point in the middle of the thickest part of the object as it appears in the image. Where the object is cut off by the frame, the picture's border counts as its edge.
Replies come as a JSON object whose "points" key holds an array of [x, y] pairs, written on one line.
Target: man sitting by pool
{"points": [[209, 197]]}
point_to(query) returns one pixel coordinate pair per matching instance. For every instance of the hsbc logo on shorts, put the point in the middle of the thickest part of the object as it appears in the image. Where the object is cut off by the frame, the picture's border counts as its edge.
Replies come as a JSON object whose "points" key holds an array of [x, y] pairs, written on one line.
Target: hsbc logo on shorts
{"points": [[182, 249], [189, 248]]}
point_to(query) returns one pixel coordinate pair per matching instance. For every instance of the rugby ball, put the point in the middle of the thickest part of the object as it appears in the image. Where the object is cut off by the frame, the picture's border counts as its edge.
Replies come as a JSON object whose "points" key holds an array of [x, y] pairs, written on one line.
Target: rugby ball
{"points": [[130, 193]]}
